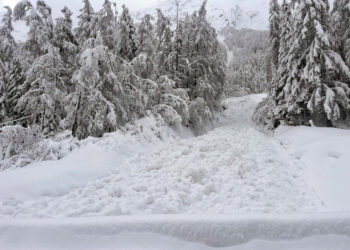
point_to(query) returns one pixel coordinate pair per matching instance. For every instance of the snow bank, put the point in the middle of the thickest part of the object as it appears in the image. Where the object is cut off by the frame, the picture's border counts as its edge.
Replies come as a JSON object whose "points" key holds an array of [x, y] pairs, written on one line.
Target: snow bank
{"points": [[306, 232], [94, 159], [326, 154]]}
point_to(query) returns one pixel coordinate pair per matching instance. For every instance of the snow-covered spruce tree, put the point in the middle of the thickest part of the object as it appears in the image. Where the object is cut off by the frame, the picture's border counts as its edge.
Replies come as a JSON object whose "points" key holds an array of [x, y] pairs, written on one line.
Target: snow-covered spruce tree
{"points": [[86, 24], [40, 25], [3, 113], [268, 113], [284, 46], [198, 66], [64, 39], [127, 35], [145, 35], [43, 87], [46, 14], [274, 31], [341, 28], [15, 80], [107, 25], [93, 106], [7, 42], [163, 44], [7, 48], [42, 100], [313, 89], [319, 91], [143, 63], [207, 64]]}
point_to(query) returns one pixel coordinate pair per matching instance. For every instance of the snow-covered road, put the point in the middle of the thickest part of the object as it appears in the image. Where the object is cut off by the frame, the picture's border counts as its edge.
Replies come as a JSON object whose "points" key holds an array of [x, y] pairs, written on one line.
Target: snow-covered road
{"points": [[232, 169], [233, 185]]}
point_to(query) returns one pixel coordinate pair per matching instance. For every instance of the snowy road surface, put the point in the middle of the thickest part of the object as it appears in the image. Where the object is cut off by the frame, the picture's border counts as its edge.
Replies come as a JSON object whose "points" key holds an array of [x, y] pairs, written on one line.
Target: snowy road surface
{"points": [[232, 170]]}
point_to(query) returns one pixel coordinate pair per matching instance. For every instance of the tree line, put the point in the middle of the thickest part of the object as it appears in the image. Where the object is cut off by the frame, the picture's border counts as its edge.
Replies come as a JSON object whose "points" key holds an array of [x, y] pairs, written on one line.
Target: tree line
{"points": [[108, 70], [310, 51]]}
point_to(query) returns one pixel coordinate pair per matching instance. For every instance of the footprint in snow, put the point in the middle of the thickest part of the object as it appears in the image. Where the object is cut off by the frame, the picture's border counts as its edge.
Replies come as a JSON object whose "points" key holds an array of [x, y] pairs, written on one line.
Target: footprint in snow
{"points": [[334, 154]]}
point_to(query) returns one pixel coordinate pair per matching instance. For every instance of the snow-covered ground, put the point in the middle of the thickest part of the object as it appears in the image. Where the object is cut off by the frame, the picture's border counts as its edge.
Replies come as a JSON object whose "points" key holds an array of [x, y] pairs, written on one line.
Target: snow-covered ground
{"points": [[163, 232], [233, 168], [269, 190], [325, 153]]}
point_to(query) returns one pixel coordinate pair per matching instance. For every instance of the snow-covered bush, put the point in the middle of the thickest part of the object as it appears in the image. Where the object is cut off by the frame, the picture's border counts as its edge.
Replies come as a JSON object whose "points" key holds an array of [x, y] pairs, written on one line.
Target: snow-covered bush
{"points": [[143, 66], [178, 104], [151, 91], [264, 114], [16, 145], [170, 116], [20, 146], [200, 115]]}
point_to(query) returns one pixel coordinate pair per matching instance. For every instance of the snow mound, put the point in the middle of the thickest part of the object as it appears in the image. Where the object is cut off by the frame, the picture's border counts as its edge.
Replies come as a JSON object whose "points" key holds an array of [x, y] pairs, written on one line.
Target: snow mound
{"points": [[93, 159]]}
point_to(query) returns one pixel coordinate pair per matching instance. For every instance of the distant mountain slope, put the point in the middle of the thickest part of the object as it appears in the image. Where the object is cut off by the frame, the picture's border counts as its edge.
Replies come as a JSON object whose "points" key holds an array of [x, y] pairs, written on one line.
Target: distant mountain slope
{"points": [[251, 14]]}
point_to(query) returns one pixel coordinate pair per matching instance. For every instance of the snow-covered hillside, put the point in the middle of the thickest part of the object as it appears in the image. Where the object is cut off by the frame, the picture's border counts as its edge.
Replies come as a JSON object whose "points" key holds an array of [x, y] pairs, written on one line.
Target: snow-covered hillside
{"points": [[251, 14]]}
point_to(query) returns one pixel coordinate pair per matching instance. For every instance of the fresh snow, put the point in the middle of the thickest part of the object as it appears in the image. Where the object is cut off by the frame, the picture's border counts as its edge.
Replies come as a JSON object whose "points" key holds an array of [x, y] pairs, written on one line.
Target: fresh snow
{"points": [[326, 154], [233, 168], [233, 187], [163, 232], [95, 158]]}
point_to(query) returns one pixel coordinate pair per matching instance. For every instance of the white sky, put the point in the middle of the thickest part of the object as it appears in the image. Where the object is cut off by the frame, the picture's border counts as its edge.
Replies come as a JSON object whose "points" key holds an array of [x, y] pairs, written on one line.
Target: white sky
{"points": [[75, 5]]}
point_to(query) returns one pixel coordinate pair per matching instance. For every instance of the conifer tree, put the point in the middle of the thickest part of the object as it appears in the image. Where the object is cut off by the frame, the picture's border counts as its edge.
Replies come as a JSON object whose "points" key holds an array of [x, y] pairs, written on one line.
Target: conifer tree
{"points": [[7, 49], [145, 34], [40, 25], [285, 33], [106, 72], [127, 35], [93, 106], [107, 26], [274, 31], [42, 100], [208, 65], [65, 40], [313, 89], [15, 79], [164, 42], [86, 24], [7, 42], [341, 28]]}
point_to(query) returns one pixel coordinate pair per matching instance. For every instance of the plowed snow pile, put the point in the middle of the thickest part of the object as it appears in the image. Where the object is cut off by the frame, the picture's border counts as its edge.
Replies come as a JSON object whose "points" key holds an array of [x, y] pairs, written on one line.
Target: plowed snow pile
{"points": [[234, 168]]}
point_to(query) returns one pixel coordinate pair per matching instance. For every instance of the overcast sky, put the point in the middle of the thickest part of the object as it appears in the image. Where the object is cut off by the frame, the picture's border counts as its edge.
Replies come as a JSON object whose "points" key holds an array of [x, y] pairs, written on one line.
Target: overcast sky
{"points": [[77, 4], [74, 6]]}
